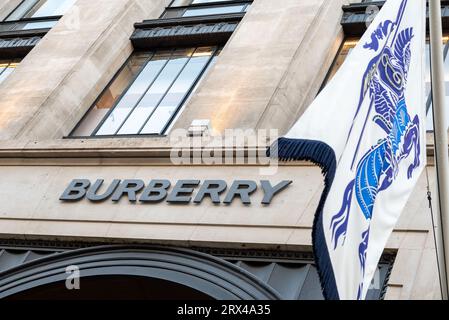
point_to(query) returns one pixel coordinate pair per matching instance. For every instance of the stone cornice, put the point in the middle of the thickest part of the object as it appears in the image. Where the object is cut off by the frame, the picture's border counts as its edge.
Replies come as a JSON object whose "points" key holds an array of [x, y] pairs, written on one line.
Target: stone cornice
{"points": [[212, 30]]}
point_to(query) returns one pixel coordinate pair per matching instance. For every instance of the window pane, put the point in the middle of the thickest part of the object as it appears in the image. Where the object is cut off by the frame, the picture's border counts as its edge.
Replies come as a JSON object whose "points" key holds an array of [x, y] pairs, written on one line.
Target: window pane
{"points": [[180, 3], [343, 54], [21, 10], [6, 68], [207, 1], [154, 95], [3, 66], [177, 93], [134, 94], [39, 25], [109, 97], [213, 10], [212, 62], [46, 8], [40, 8], [157, 91]]}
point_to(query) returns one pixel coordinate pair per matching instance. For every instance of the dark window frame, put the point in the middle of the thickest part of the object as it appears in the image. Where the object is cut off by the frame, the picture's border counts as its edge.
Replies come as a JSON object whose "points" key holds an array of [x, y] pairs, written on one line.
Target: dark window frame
{"points": [[25, 20], [10, 61], [183, 9], [27, 12], [163, 133], [173, 21]]}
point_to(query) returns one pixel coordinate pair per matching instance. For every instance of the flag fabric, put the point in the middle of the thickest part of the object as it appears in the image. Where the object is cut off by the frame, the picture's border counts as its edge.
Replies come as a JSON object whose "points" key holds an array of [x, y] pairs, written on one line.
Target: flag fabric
{"points": [[366, 131]]}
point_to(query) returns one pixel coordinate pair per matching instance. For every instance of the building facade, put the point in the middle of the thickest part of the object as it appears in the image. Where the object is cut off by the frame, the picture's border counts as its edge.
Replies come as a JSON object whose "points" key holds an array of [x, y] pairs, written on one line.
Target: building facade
{"points": [[132, 150]]}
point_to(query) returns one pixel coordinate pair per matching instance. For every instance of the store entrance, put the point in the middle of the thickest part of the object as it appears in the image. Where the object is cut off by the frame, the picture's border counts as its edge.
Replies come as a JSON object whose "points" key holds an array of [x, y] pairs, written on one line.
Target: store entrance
{"points": [[137, 272]]}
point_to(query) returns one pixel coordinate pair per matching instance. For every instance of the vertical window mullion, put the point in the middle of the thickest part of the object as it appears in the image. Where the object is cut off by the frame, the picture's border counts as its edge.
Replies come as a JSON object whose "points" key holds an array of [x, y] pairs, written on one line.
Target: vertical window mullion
{"points": [[22, 15], [168, 90], [145, 92], [1, 71], [31, 8], [4, 71], [121, 96], [100, 96], [429, 96], [183, 100]]}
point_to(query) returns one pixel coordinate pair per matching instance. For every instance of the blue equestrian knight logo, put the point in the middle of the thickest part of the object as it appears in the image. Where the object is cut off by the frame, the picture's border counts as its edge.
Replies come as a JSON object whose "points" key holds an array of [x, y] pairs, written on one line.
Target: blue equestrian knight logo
{"points": [[384, 81]]}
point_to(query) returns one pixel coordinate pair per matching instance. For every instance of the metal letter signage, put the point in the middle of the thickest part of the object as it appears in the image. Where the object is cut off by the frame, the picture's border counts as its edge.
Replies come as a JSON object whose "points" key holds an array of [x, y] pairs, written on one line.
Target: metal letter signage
{"points": [[182, 192]]}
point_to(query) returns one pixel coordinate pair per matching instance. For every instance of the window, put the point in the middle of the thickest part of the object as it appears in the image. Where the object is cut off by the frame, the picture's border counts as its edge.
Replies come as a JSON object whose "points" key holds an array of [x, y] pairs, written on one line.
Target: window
{"points": [[345, 50], [182, 3], [194, 8], [214, 10], [148, 93], [7, 67], [35, 14], [349, 44]]}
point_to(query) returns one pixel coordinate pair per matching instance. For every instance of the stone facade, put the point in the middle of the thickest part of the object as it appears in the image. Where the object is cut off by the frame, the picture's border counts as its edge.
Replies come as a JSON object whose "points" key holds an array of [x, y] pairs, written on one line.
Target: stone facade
{"points": [[267, 74]]}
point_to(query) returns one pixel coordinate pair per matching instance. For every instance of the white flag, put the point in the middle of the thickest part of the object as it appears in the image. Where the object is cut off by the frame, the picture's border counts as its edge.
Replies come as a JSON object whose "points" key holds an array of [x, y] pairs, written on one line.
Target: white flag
{"points": [[366, 131]]}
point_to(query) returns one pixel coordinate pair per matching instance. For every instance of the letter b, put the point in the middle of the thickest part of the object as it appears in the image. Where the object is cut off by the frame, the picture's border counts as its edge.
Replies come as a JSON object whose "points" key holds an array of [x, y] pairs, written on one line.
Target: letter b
{"points": [[155, 192], [76, 190]]}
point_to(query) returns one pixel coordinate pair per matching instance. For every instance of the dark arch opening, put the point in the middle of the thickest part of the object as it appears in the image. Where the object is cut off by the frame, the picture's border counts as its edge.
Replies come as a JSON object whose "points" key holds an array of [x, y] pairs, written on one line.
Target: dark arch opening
{"points": [[195, 274], [113, 288]]}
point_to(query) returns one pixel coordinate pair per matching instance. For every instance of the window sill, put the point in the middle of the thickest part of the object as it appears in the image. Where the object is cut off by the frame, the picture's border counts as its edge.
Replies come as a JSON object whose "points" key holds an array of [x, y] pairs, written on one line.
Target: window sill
{"points": [[24, 33]]}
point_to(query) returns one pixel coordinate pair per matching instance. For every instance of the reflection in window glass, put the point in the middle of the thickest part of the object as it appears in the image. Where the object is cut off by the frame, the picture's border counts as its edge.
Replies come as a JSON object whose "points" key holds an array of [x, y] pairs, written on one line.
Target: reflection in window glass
{"points": [[147, 100], [180, 3], [178, 91], [197, 85], [341, 57], [112, 93], [22, 10], [152, 98], [213, 10], [350, 44], [39, 25], [6, 68], [40, 8], [193, 8]]}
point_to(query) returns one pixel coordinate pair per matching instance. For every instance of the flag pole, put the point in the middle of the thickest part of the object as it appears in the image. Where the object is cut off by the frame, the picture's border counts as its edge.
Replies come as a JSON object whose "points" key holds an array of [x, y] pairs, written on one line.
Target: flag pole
{"points": [[441, 143]]}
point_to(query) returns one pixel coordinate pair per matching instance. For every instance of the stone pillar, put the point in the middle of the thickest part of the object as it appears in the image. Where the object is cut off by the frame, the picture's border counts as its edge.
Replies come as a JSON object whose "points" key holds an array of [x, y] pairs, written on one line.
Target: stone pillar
{"points": [[272, 66]]}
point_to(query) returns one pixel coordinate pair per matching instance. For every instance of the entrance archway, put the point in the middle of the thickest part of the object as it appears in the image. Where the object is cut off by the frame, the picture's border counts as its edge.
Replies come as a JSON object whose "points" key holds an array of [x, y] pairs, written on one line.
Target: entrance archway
{"points": [[196, 275]]}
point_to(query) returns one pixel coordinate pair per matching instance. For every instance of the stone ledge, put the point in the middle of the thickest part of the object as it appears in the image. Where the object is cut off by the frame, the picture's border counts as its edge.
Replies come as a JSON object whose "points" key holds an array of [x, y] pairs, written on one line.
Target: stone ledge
{"points": [[185, 31], [18, 47]]}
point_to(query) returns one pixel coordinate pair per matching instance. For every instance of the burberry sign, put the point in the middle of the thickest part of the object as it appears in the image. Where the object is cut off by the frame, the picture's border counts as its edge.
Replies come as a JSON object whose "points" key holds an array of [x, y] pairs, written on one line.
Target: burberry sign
{"points": [[180, 192]]}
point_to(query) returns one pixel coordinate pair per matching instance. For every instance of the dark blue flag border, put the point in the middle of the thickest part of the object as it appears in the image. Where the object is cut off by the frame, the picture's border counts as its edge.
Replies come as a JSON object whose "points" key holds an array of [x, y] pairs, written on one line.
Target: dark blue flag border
{"points": [[322, 155]]}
